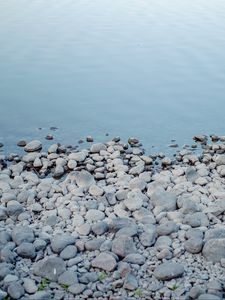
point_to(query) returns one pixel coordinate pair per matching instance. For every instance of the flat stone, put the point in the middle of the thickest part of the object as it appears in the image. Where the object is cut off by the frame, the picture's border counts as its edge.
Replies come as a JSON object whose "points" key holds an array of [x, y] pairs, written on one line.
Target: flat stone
{"points": [[167, 228], [166, 201], [134, 200], [208, 297], [50, 267], [68, 278], [100, 228], [96, 148], [84, 179], [29, 286], [26, 250], [60, 241], [22, 234], [78, 156], [95, 190], [104, 261], [94, 215], [76, 288], [14, 208], [168, 271], [15, 290], [214, 250], [94, 244], [33, 146], [41, 295], [69, 252], [148, 237], [193, 245], [130, 282], [123, 245], [135, 258]]}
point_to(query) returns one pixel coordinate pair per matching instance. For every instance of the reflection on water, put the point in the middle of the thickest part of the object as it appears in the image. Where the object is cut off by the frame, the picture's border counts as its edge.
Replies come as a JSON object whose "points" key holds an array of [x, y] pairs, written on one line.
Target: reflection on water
{"points": [[150, 69]]}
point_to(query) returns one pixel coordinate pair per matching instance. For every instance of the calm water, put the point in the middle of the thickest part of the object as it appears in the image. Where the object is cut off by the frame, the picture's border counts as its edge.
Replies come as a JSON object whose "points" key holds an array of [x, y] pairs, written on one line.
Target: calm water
{"points": [[154, 69]]}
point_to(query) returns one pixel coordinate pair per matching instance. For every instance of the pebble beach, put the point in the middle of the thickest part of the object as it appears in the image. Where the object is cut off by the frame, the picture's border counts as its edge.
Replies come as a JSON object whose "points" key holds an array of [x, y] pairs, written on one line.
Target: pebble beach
{"points": [[111, 222]]}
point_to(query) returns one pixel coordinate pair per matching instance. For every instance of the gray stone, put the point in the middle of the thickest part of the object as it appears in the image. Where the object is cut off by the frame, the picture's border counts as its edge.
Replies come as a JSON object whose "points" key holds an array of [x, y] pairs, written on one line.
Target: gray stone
{"points": [[29, 286], [15, 290], [220, 160], [215, 233], [167, 228], [130, 282], [2, 295], [135, 258], [214, 250], [95, 190], [26, 250], [94, 244], [41, 295], [196, 291], [39, 244], [166, 201], [197, 219], [134, 200], [168, 271], [208, 297], [60, 241], [94, 215], [123, 245], [76, 288], [14, 208], [193, 245], [59, 171], [148, 237], [84, 179], [89, 277], [191, 174], [50, 267], [33, 146], [100, 228], [163, 242], [96, 148], [128, 231], [22, 234], [119, 223], [3, 213], [69, 252], [68, 278], [104, 261], [78, 156]]}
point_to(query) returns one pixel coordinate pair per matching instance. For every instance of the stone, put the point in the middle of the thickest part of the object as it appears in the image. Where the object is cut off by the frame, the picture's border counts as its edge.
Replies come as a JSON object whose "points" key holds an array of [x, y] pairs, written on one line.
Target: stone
{"points": [[69, 252], [50, 267], [208, 297], [68, 278], [197, 219], [29, 286], [84, 229], [96, 148], [14, 208], [123, 245], [137, 183], [60, 241], [214, 250], [168, 271], [33, 146], [22, 234], [166, 201], [215, 233], [193, 245], [3, 213], [3, 295], [59, 171], [26, 250], [78, 156], [41, 295], [191, 174], [15, 290], [94, 244], [220, 160], [95, 190], [148, 237], [134, 200], [94, 215], [84, 179], [130, 282], [76, 288], [104, 261], [135, 258], [195, 292], [167, 228], [100, 228]]}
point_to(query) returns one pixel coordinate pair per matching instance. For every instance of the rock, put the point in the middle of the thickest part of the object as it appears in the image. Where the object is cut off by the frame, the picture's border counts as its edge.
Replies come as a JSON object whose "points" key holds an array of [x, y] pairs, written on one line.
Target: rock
{"points": [[148, 237], [123, 245], [104, 261], [89, 139], [33, 146], [60, 241], [168, 271], [3, 213], [208, 297], [137, 183], [96, 148], [3, 295], [22, 234], [68, 278], [84, 229], [215, 233], [130, 282], [193, 245], [95, 190], [100, 228], [133, 141], [78, 156], [195, 292], [191, 174], [59, 171], [135, 258], [26, 250], [220, 160], [165, 201], [15, 290], [29, 286], [41, 295], [84, 179], [167, 228], [69, 252], [196, 219], [94, 215], [134, 200], [200, 138], [76, 288], [49, 137], [14, 208], [214, 250], [50, 267], [21, 143], [94, 244]]}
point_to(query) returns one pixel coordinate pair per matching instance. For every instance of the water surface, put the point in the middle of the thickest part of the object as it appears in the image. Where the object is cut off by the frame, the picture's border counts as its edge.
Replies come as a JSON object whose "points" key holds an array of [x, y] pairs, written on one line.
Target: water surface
{"points": [[151, 69]]}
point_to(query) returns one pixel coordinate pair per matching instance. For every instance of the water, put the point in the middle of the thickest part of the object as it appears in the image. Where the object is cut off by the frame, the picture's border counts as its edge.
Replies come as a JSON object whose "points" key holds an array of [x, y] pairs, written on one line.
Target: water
{"points": [[150, 69]]}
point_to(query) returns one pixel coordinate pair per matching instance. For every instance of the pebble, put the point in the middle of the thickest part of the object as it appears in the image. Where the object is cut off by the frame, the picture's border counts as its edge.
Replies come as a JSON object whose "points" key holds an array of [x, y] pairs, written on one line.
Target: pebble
{"points": [[104, 261], [33, 146], [168, 271]]}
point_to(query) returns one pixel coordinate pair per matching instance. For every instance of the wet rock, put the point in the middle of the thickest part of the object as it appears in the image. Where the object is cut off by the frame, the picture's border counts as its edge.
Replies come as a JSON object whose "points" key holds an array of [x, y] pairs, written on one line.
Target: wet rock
{"points": [[33, 146]]}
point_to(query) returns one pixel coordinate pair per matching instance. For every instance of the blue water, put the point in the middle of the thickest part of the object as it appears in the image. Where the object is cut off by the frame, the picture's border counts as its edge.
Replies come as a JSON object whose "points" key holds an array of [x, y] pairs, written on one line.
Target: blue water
{"points": [[153, 69]]}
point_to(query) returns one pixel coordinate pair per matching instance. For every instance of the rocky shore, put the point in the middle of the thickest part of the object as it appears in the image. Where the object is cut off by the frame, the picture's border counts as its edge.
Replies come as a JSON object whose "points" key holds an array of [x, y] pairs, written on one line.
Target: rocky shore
{"points": [[111, 222]]}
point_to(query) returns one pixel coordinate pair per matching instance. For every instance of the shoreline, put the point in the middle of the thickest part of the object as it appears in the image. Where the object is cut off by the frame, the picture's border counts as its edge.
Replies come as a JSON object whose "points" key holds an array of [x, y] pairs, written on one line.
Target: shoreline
{"points": [[110, 222]]}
